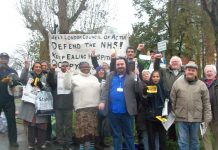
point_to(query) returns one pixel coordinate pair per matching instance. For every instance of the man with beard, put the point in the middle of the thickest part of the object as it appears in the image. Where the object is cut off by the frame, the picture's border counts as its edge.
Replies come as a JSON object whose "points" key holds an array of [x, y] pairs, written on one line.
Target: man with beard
{"points": [[7, 101], [119, 100], [191, 105]]}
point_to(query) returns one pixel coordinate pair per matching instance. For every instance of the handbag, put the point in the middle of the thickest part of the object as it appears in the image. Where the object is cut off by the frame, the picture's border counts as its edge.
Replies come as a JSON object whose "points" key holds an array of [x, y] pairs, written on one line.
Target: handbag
{"points": [[44, 103]]}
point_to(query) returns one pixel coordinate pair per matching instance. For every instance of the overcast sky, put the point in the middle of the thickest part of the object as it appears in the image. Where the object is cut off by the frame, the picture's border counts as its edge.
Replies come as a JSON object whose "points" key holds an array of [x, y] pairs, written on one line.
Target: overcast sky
{"points": [[14, 33]]}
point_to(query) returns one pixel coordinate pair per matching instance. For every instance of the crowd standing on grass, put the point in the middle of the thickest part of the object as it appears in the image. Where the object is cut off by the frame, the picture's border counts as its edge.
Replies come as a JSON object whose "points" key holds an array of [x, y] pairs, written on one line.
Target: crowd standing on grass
{"points": [[124, 95]]}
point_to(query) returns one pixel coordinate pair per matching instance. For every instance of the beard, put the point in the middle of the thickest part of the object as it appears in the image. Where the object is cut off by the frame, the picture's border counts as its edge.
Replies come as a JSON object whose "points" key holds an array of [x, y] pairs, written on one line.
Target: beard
{"points": [[121, 70]]}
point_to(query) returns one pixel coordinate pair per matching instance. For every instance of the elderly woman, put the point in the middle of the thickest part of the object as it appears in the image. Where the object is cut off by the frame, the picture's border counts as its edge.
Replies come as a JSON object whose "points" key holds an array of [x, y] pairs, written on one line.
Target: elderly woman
{"points": [[86, 92], [212, 85], [37, 125]]}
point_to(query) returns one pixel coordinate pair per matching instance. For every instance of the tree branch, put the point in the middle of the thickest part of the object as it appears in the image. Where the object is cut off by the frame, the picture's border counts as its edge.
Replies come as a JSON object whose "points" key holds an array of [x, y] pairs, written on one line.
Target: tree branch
{"points": [[76, 15]]}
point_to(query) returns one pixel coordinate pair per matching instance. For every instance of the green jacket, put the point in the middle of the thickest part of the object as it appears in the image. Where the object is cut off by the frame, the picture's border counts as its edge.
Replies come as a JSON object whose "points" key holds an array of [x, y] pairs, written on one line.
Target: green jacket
{"points": [[167, 75]]}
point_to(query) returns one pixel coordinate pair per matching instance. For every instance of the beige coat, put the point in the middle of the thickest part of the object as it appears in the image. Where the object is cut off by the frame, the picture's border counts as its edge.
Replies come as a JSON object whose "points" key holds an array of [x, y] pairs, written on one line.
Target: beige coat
{"points": [[190, 101]]}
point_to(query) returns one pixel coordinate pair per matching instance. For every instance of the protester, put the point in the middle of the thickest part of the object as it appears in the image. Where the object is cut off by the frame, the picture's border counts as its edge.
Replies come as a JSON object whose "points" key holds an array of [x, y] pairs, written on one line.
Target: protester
{"points": [[145, 64], [191, 105], [103, 123], [140, 119], [37, 125], [7, 101], [45, 67], [45, 71], [95, 64], [170, 75], [130, 54], [212, 129], [63, 106], [119, 100], [153, 103], [86, 95]]}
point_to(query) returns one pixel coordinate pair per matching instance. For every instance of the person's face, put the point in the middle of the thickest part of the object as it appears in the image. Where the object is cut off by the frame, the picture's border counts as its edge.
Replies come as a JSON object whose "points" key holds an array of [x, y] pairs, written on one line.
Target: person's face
{"points": [[155, 78], [44, 66], [85, 68], [120, 66], [130, 54], [152, 55], [37, 68], [146, 76], [4, 60], [101, 73], [64, 67], [105, 66], [175, 64], [210, 74], [190, 73]]}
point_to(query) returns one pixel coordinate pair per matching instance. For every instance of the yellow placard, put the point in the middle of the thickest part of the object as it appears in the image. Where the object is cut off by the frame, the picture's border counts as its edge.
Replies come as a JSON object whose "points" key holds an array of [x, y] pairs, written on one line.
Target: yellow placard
{"points": [[152, 89], [161, 118]]}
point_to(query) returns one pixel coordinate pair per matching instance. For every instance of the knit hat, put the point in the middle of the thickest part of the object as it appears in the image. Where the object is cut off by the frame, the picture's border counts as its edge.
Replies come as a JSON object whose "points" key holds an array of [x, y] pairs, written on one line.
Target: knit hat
{"points": [[191, 64], [99, 68]]}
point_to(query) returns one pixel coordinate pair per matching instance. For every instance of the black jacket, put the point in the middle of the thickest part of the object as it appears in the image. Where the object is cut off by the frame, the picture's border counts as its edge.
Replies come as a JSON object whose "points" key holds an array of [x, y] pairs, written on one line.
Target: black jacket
{"points": [[4, 95]]}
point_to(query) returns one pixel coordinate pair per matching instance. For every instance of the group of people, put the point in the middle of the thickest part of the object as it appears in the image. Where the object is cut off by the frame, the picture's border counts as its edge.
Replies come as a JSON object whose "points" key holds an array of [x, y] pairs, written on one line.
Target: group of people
{"points": [[129, 92]]}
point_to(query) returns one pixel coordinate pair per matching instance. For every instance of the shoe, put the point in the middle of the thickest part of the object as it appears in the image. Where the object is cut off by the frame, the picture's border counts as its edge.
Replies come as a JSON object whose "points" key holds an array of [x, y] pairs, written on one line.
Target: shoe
{"points": [[60, 147], [48, 143], [42, 147], [31, 148], [105, 145], [15, 144], [98, 147]]}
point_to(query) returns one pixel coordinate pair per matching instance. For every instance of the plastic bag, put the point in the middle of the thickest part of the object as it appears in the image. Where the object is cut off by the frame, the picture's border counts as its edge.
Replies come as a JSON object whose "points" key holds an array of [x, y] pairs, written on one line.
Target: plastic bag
{"points": [[29, 94], [44, 103], [3, 124]]}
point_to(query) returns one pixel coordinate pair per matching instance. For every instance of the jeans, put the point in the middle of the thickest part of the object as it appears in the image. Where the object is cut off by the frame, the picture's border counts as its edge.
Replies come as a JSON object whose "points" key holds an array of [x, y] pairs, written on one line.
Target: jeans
{"points": [[145, 141], [122, 124], [64, 125], [188, 135], [155, 128]]}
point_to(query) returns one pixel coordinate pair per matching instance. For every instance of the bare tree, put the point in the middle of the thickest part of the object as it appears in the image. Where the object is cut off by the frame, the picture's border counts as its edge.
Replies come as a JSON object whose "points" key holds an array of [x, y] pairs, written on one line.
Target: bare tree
{"points": [[28, 51], [211, 8], [40, 15]]}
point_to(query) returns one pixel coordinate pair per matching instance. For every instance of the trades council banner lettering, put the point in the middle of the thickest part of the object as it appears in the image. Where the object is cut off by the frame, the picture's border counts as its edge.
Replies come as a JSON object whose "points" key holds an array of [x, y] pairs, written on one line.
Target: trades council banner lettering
{"points": [[76, 48]]}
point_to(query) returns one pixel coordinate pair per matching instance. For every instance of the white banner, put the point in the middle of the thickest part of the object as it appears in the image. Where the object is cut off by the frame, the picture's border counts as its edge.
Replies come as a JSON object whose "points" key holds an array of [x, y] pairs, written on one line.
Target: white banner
{"points": [[76, 48]]}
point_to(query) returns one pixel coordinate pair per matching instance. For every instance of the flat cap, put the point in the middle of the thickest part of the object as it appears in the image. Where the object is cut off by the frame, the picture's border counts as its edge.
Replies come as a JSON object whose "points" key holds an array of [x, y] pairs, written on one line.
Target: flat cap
{"points": [[191, 64]]}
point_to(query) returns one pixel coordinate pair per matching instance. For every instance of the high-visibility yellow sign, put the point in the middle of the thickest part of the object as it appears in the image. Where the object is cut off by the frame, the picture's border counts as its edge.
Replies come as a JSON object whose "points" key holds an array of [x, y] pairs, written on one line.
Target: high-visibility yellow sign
{"points": [[152, 89], [161, 118]]}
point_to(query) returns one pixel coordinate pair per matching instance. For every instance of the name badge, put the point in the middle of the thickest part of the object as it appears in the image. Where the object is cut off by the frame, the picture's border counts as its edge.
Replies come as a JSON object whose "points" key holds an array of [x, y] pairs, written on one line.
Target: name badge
{"points": [[119, 89]]}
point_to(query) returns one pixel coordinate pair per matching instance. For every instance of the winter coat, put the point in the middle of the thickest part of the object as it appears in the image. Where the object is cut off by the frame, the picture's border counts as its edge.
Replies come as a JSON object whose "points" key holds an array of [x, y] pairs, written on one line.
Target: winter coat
{"points": [[168, 76], [190, 101], [213, 92], [27, 110], [4, 96]]}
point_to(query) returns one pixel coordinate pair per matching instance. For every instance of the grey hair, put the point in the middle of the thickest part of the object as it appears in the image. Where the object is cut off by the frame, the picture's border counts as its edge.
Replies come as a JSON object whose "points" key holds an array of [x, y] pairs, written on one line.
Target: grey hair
{"points": [[178, 58], [210, 66], [145, 71]]}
